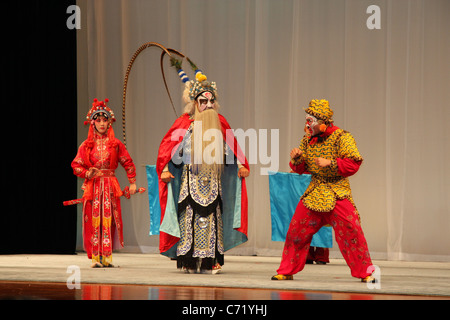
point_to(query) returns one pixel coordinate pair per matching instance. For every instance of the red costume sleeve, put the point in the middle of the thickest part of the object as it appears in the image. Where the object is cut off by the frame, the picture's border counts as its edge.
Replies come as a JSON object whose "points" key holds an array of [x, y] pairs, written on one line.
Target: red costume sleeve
{"points": [[300, 168], [78, 164], [126, 162], [347, 167]]}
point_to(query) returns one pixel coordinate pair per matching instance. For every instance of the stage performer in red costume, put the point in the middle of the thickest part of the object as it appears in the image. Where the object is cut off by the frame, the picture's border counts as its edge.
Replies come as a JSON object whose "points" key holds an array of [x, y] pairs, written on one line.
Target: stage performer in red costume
{"points": [[96, 161], [202, 188], [330, 155]]}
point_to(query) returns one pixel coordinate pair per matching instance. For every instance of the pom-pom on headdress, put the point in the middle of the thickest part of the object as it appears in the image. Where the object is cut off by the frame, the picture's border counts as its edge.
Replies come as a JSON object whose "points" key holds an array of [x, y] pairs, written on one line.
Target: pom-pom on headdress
{"points": [[201, 83], [99, 107]]}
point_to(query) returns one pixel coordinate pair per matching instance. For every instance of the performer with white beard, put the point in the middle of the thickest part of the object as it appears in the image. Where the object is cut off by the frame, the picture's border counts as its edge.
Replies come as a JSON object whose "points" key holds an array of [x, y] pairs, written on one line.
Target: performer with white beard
{"points": [[199, 183]]}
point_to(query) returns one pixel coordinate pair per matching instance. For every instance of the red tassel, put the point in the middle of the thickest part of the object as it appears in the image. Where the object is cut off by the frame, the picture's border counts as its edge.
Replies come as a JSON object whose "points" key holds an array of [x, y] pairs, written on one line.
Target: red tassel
{"points": [[113, 147]]}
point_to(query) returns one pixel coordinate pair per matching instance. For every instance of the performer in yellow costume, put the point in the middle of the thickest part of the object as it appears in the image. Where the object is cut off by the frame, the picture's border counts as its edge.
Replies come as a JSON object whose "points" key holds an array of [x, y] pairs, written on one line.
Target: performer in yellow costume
{"points": [[330, 155]]}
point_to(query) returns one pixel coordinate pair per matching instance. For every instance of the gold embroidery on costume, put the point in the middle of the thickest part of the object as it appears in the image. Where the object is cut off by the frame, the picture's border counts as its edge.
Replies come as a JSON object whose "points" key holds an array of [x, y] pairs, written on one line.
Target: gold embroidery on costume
{"points": [[327, 185]]}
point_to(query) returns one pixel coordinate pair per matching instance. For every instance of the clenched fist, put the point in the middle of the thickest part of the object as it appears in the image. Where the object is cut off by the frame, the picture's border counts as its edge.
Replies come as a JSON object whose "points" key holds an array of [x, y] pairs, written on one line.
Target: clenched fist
{"points": [[295, 153], [166, 176], [321, 162]]}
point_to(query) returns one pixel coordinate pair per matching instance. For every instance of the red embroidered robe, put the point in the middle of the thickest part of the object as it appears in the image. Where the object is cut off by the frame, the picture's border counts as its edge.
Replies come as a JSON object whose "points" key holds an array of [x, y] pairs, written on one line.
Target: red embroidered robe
{"points": [[102, 217]]}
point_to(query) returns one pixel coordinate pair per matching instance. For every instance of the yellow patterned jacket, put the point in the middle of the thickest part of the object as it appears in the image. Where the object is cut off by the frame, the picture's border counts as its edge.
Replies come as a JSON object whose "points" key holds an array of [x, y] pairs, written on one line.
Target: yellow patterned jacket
{"points": [[327, 185]]}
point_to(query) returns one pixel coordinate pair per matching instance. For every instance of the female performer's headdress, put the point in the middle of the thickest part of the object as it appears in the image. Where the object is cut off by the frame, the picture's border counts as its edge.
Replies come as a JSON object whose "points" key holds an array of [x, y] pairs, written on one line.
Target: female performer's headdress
{"points": [[99, 108]]}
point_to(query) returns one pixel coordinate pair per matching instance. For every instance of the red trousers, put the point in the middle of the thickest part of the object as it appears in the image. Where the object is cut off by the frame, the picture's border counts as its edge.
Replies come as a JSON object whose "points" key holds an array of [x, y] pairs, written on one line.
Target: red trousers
{"points": [[349, 236]]}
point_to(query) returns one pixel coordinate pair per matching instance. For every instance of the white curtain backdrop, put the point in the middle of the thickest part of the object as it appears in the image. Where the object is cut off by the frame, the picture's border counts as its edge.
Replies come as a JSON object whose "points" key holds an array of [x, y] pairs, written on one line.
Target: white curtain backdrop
{"points": [[390, 87]]}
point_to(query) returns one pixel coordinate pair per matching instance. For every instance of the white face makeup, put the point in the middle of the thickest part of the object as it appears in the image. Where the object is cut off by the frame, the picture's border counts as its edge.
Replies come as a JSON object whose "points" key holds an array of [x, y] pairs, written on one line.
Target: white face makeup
{"points": [[312, 125], [205, 101]]}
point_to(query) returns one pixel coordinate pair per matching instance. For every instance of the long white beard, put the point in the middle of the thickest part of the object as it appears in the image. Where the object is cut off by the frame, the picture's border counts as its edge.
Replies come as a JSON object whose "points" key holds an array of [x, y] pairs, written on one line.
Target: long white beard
{"points": [[207, 142]]}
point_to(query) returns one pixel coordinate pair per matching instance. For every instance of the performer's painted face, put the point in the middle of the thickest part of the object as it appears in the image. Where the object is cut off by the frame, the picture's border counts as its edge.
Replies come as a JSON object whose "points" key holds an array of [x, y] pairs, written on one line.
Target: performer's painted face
{"points": [[205, 101], [312, 125], [101, 124]]}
